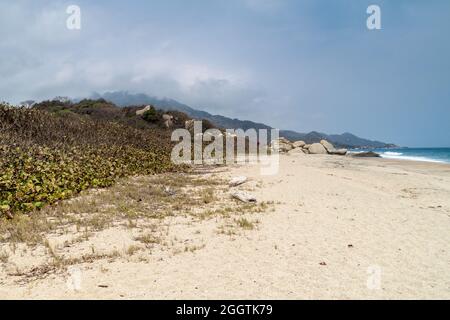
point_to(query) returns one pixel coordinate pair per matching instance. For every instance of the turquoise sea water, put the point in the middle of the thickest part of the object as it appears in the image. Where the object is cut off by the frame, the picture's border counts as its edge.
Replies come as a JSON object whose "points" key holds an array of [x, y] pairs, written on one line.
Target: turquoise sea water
{"points": [[417, 154]]}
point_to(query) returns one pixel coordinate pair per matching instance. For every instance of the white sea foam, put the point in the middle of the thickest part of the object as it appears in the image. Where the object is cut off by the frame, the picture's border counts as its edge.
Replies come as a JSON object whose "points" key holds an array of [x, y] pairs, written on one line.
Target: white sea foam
{"points": [[411, 158], [390, 153]]}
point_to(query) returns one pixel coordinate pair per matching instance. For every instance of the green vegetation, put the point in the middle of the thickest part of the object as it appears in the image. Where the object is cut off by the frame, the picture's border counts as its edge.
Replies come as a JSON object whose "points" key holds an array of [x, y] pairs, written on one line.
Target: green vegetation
{"points": [[56, 149], [151, 115]]}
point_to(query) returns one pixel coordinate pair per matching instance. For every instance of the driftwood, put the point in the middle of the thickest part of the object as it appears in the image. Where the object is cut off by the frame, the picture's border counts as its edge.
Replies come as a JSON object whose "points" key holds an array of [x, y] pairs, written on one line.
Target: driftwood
{"points": [[169, 191], [243, 196], [236, 181]]}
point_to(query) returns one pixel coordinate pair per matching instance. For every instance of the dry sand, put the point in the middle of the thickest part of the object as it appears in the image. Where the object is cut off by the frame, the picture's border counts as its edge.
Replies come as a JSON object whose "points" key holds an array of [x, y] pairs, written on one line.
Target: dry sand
{"points": [[342, 228]]}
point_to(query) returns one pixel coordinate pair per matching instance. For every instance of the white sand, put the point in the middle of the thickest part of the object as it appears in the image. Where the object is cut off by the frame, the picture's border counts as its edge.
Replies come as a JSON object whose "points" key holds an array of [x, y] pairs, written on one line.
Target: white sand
{"points": [[355, 216]]}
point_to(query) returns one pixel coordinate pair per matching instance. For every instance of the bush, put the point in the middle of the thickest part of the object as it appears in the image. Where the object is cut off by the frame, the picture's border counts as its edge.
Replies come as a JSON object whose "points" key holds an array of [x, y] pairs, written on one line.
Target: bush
{"points": [[46, 157], [151, 115]]}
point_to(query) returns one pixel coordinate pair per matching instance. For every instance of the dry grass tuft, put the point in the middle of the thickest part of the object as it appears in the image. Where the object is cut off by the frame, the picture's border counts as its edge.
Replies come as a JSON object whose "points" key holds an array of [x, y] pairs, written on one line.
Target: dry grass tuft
{"points": [[4, 256], [147, 207], [245, 224]]}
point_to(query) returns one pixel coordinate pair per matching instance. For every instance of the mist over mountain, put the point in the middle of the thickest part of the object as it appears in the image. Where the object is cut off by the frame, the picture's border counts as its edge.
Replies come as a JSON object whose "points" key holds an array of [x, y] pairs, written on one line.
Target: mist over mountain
{"points": [[124, 98]]}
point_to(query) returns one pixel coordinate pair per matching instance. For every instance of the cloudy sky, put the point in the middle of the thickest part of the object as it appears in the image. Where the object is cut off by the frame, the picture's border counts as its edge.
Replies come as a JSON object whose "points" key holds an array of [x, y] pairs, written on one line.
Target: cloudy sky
{"points": [[301, 65]]}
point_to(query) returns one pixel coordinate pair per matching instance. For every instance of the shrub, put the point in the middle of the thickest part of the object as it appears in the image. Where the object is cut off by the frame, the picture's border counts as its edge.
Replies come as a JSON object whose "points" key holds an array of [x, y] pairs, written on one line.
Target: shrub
{"points": [[151, 115], [46, 157]]}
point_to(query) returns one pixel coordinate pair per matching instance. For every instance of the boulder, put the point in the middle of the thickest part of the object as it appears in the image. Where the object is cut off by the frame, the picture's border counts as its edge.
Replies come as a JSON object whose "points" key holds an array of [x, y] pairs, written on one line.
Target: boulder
{"points": [[328, 146], [306, 146], [189, 125], [283, 140], [368, 154], [281, 145], [142, 111], [298, 144], [285, 147], [296, 151], [339, 152], [168, 120], [317, 148]]}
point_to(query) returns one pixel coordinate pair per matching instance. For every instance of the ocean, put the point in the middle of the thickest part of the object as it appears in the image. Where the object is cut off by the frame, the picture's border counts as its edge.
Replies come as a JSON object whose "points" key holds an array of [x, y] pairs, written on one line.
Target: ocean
{"points": [[441, 155]]}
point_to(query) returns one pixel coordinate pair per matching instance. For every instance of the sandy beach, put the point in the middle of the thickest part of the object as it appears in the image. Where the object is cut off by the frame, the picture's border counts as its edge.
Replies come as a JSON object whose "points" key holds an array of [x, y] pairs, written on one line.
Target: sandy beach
{"points": [[338, 228]]}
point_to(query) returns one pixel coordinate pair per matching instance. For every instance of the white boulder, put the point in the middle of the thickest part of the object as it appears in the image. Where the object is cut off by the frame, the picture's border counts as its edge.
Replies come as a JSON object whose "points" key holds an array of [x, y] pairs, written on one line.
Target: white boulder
{"points": [[317, 148], [328, 146], [299, 144]]}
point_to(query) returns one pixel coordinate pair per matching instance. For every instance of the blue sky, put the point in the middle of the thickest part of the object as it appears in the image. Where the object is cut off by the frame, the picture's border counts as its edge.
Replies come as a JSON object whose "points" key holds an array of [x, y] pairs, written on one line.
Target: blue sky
{"points": [[300, 65]]}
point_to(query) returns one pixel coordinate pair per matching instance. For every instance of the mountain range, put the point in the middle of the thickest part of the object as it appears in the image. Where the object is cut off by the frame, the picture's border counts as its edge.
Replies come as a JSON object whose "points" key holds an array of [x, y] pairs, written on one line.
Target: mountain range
{"points": [[124, 98]]}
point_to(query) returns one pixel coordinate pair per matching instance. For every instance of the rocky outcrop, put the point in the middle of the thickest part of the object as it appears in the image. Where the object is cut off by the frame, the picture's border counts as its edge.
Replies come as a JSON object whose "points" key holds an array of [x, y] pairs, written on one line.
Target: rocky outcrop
{"points": [[331, 149], [339, 152], [281, 145], [299, 144], [368, 154], [327, 145], [296, 151], [317, 148]]}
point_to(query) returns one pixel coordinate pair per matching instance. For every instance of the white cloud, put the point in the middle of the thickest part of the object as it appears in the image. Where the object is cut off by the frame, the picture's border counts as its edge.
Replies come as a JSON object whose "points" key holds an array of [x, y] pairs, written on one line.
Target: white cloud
{"points": [[51, 60], [256, 59]]}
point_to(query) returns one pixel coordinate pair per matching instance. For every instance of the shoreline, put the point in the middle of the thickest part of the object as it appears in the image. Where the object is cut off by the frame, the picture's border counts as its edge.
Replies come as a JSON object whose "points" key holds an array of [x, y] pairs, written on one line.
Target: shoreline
{"points": [[397, 154], [409, 163]]}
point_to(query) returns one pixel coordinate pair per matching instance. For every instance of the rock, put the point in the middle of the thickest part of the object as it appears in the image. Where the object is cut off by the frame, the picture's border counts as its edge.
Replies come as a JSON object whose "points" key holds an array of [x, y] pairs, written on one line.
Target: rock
{"points": [[142, 111], [331, 149], [213, 134], [168, 120], [368, 154], [285, 147], [243, 196], [317, 148], [299, 144], [296, 151], [237, 181], [328, 146], [189, 125], [339, 152], [306, 146], [281, 145]]}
